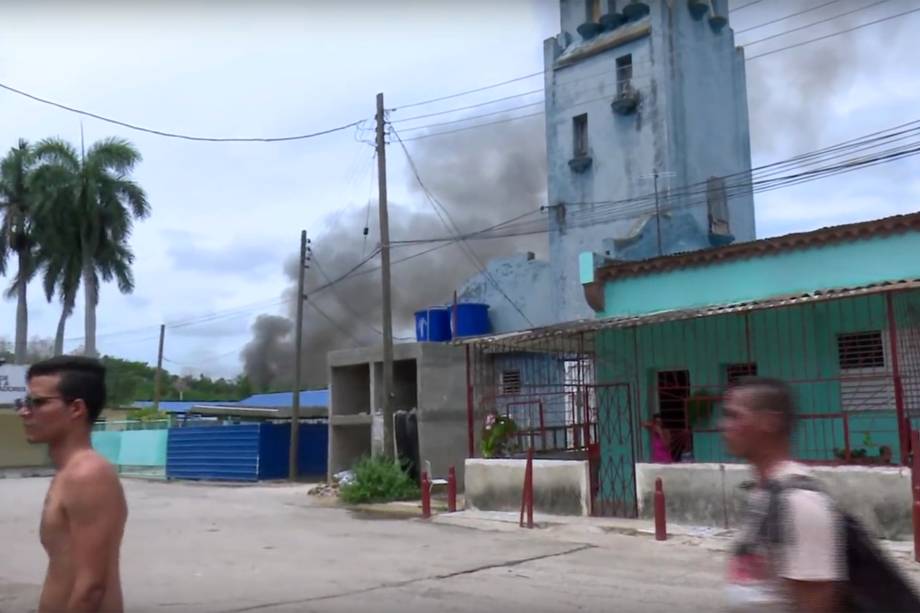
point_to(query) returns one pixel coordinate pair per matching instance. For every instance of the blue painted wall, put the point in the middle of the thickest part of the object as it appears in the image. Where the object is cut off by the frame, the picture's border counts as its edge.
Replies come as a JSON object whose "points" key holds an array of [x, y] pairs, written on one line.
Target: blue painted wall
{"points": [[220, 453], [692, 121], [850, 264], [244, 452], [524, 281]]}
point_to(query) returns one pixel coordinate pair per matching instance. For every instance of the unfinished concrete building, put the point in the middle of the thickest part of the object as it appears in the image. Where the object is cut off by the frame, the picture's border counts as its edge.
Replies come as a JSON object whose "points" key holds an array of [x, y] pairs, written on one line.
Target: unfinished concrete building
{"points": [[429, 378]]}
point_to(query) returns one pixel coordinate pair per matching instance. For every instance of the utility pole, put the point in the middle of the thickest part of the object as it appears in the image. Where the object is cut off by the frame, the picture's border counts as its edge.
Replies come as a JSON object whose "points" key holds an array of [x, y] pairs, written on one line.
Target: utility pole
{"points": [[156, 380], [657, 215], [388, 451], [298, 351]]}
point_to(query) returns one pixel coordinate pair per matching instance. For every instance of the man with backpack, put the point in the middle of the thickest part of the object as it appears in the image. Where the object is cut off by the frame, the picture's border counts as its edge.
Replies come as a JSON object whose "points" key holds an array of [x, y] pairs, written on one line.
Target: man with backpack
{"points": [[796, 550]]}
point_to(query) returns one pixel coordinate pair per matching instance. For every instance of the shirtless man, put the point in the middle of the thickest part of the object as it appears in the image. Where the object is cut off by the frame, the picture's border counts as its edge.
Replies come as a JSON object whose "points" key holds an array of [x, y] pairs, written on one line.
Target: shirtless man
{"points": [[85, 512]]}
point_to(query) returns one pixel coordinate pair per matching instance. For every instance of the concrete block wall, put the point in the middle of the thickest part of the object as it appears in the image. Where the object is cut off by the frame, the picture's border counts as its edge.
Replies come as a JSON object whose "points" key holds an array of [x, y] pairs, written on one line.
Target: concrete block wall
{"points": [[560, 487], [15, 451], [430, 377], [711, 494]]}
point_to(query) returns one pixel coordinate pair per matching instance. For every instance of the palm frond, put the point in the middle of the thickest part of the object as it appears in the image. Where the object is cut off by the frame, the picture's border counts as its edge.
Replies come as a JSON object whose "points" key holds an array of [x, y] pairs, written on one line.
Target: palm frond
{"points": [[115, 154]]}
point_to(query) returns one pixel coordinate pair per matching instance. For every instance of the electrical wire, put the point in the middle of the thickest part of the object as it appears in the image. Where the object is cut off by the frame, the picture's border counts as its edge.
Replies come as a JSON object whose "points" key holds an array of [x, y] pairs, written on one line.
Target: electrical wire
{"points": [[344, 304], [627, 208], [605, 211], [790, 16], [815, 23], [467, 92], [451, 226], [333, 322], [209, 139], [744, 6], [825, 37], [478, 125]]}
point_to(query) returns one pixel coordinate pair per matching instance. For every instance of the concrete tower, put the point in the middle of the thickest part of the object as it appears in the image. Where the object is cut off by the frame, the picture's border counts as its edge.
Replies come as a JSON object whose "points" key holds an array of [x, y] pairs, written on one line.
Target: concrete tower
{"points": [[643, 96]]}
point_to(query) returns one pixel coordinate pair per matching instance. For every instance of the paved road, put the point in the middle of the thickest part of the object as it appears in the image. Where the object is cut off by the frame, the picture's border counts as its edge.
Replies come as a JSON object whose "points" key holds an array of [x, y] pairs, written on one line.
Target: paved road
{"points": [[269, 549]]}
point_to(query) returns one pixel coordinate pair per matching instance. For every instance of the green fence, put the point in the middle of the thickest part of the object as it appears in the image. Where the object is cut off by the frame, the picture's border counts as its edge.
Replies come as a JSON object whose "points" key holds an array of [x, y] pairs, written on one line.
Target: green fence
{"points": [[134, 452]]}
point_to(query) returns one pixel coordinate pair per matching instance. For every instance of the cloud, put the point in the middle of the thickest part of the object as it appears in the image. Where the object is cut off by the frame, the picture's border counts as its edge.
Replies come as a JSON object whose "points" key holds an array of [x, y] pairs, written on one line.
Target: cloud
{"points": [[236, 258]]}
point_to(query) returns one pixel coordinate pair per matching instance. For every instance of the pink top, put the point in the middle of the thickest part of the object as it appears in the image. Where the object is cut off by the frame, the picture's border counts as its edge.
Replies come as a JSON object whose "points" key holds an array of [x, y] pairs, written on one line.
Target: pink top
{"points": [[660, 452]]}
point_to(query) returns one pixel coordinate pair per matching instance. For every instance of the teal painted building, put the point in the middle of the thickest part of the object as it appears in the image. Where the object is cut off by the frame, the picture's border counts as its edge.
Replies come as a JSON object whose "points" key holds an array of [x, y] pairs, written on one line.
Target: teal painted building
{"points": [[835, 312]]}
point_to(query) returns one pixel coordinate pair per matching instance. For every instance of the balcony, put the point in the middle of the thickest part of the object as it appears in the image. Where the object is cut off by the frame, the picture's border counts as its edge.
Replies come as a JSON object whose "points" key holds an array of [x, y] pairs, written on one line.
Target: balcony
{"points": [[627, 99]]}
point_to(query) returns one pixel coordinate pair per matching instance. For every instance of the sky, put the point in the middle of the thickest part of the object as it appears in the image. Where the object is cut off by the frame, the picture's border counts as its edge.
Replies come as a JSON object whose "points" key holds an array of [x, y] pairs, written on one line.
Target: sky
{"points": [[226, 217]]}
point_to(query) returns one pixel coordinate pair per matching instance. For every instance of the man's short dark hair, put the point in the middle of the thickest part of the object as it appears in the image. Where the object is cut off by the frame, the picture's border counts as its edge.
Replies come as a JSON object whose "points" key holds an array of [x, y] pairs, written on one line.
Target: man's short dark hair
{"points": [[81, 379], [772, 395]]}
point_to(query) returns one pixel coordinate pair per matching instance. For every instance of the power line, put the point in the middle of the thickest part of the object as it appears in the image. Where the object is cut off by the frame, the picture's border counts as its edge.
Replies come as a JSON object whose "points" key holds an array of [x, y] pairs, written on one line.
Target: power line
{"points": [[825, 37], [815, 23], [333, 322], [451, 226], [480, 116], [467, 92], [467, 108], [632, 206], [744, 6], [478, 125], [790, 16], [628, 208], [344, 303], [209, 139]]}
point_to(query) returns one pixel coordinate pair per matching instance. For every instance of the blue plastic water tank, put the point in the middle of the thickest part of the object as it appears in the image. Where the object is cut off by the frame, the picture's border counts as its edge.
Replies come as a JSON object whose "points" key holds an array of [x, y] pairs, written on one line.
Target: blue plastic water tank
{"points": [[433, 324], [471, 319]]}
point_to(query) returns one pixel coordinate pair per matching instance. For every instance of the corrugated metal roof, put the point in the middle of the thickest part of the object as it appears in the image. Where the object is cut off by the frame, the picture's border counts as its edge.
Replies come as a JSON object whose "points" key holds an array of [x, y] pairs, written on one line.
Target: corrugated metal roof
{"points": [[592, 325], [315, 399], [308, 398], [799, 240]]}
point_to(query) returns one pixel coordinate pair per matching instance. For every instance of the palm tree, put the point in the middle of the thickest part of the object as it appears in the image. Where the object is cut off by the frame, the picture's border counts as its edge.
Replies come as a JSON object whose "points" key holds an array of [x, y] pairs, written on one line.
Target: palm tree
{"points": [[95, 193], [59, 260], [16, 233]]}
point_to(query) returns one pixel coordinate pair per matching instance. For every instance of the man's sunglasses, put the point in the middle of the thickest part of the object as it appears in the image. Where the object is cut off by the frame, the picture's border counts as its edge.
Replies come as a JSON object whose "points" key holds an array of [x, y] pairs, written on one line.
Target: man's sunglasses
{"points": [[35, 402]]}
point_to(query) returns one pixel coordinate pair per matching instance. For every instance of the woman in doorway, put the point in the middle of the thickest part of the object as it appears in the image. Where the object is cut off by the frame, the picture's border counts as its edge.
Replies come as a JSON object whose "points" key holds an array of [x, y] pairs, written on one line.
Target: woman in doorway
{"points": [[661, 440]]}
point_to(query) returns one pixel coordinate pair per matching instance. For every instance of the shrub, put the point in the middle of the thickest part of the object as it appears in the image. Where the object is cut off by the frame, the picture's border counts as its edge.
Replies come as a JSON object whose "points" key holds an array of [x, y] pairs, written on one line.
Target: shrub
{"points": [[498, 436], [377, 479]]}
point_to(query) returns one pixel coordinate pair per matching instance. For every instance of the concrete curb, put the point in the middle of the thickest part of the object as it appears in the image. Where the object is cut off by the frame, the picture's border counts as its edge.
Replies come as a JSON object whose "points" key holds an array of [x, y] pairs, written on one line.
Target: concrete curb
{"points": [[26, 473]]}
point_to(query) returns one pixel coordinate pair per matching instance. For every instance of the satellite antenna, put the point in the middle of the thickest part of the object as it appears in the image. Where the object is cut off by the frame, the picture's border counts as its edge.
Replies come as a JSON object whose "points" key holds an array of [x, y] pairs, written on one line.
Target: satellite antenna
{"points": [[655, 175]]}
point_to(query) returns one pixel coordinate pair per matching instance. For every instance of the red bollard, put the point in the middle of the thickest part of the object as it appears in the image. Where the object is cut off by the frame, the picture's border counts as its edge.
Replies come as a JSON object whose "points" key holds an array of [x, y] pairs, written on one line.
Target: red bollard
{"points": [[451, 490], [527, 494], [915, 482], [426, 496], [661, 530]]}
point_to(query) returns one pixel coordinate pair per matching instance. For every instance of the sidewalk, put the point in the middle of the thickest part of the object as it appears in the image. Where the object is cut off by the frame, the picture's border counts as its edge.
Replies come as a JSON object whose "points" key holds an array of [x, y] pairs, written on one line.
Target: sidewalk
{"points": [[592, 530]]}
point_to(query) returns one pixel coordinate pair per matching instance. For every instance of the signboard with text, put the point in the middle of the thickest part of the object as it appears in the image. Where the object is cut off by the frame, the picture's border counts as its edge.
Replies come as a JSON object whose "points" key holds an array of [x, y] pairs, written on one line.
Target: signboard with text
{"points": [[12, 383]]}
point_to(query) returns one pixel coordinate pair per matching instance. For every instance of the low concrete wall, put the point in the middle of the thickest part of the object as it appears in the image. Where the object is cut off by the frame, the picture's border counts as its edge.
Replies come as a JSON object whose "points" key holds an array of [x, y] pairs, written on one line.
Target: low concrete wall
{"points": [[560, 487], [710, 494], [15, 451]]}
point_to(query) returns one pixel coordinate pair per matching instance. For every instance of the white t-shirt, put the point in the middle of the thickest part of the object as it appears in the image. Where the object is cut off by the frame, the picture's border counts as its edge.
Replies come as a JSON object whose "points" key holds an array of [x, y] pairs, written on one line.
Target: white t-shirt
{"points": [[811, 547]]}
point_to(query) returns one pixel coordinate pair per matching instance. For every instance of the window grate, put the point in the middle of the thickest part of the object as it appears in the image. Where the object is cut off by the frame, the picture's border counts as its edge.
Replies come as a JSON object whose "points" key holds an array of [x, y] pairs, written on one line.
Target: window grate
{"points": [[735, 372], [511, 382], [860, 350]]}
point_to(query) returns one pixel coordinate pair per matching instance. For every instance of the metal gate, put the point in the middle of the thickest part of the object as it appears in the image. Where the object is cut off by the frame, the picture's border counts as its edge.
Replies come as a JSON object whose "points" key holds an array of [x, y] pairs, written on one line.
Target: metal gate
{"points": [[613, 455], [563, 406]]}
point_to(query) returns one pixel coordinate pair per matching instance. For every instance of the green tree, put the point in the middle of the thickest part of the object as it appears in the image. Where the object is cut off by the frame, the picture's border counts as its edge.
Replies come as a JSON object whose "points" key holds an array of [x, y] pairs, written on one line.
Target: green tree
{"points": [[16, 233], [96, 191], [58, 253]]}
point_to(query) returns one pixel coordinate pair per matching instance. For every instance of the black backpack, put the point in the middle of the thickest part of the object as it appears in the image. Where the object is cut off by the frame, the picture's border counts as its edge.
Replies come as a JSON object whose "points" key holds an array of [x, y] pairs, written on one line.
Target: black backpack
{"points": [[875, 582]]}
